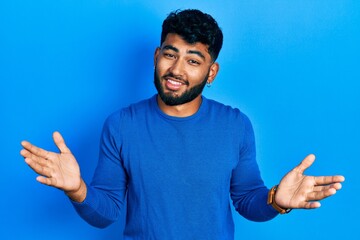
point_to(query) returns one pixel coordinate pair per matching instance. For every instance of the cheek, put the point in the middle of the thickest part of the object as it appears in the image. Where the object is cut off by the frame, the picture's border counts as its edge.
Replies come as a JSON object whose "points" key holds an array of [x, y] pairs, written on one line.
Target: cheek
{"points": [[162, 66], [197, 76]]}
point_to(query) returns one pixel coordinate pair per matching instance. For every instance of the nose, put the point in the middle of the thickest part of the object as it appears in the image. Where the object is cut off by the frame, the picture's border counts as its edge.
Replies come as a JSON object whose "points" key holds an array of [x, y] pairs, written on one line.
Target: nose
{"points": [[177, 68]]}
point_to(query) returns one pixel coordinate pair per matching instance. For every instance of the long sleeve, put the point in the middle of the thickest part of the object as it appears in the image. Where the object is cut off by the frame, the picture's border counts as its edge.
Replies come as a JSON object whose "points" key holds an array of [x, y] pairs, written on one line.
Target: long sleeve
{"points": [[106, 193], [248, 191]]}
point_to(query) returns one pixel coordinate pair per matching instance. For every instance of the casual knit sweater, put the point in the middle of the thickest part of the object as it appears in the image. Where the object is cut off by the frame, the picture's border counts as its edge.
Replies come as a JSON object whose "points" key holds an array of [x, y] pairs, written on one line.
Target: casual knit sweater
{"points": [[176, 173]]}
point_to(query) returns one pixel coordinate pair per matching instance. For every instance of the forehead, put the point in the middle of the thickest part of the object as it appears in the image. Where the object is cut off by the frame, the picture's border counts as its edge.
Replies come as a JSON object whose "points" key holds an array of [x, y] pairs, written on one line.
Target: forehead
{"points": [[178, 42]]}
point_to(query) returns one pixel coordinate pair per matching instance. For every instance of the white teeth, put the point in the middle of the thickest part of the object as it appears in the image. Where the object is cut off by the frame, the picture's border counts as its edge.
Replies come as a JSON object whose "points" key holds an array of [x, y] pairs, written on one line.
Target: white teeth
{"points": [[174, 82]]}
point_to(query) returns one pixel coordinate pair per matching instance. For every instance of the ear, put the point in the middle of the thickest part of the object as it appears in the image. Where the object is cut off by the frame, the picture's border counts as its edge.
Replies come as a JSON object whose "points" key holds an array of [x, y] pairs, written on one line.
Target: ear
{"points": [[214, 69], [156, 54]]}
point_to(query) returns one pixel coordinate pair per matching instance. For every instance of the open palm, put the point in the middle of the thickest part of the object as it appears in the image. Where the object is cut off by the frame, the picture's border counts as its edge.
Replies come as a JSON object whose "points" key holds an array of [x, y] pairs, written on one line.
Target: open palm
{"points": [[59, 170], [297, 190]]}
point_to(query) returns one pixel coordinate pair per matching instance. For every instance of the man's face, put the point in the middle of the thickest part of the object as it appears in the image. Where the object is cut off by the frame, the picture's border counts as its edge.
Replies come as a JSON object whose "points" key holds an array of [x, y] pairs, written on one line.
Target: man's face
{"points": [[182, 70]]}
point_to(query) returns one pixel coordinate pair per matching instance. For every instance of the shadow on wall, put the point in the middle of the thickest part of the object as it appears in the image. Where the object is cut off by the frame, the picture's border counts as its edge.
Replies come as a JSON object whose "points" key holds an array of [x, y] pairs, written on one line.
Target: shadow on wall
{"points": [[126, 76]]}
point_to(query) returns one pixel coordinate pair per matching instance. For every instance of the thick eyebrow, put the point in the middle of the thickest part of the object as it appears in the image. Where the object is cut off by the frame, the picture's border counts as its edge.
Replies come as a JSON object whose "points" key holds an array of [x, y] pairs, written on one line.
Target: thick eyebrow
{"points": [[171, 47], [197, 53]]}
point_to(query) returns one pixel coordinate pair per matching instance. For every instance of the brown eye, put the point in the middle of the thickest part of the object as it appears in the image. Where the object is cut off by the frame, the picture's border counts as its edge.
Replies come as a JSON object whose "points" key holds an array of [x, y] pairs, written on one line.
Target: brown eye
{"points": [[169, 55], [194, 62]]}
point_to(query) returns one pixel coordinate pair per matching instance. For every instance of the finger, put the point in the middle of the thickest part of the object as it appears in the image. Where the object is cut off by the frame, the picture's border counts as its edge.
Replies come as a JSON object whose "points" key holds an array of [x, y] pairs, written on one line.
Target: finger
{"points": [[32, 159], [312, 205], [41, 169], [323, 180], [46, 180], [60, 143], [336, 186], [305, 163], [35, 150], [315, 196], [26, 154]]}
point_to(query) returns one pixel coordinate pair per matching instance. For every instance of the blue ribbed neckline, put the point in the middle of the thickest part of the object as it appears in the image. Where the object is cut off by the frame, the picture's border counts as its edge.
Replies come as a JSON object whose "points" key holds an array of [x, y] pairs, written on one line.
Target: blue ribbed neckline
{"points": [[200, 111]]}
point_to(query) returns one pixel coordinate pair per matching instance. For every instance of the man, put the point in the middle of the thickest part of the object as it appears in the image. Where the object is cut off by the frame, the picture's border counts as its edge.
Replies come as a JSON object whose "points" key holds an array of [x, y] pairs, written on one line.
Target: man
{"points": [[178, 155]]}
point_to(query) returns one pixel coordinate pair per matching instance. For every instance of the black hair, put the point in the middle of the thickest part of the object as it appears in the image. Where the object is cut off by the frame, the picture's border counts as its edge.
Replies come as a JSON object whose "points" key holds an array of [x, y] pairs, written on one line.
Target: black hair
{"points": [[194, 26]]}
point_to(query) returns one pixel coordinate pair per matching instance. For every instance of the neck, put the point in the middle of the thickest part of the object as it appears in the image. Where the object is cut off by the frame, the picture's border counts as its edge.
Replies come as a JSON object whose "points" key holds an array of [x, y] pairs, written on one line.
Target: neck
{"points": [[183, 110]]}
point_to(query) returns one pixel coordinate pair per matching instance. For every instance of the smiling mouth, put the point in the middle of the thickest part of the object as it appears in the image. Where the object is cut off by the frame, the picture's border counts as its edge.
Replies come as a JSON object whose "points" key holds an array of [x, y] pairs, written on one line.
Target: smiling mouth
{"points": [[174, 84]]}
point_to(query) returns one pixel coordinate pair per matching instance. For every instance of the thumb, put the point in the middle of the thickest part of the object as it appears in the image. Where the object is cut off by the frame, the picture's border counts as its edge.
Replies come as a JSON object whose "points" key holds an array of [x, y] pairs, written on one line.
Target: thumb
{"points": [[305, 163], [60, 143]]}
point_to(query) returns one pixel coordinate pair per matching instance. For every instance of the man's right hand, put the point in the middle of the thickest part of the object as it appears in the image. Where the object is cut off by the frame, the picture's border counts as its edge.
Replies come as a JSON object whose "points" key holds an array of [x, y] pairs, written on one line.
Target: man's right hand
{"points": [[59, 170]]}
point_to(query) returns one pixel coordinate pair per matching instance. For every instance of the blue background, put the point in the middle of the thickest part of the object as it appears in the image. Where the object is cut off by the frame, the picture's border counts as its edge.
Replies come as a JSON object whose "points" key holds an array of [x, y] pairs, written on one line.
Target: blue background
{"points": [[291, 66]]}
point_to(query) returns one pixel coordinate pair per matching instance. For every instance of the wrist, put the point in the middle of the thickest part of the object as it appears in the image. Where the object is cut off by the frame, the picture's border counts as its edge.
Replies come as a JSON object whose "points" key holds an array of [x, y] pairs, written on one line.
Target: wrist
{"points": [[78, 195], [271, 201]]}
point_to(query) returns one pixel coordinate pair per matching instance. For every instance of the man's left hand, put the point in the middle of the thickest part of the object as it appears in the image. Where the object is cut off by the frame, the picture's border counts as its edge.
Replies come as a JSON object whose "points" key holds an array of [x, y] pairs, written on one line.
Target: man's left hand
{"points": [[297, 190]]}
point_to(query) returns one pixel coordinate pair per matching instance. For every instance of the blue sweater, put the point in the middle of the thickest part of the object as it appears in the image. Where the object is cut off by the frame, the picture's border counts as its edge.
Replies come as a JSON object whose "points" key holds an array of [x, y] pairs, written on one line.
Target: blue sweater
{"points": [[176, 173]]}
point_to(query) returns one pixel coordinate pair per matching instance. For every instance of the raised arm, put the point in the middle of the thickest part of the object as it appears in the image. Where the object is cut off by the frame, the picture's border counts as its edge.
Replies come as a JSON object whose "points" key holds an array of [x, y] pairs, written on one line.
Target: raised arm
{"points": [[297, 190], [59, 170]]}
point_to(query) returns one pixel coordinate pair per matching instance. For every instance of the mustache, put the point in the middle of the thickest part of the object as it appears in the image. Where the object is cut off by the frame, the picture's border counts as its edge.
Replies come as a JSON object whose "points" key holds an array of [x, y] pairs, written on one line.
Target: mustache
{"points": [[170, 75]]}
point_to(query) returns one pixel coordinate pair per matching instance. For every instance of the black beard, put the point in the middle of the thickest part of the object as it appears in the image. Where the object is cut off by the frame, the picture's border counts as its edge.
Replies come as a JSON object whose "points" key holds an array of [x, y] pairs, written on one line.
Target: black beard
{"points": [[186, 97]]}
